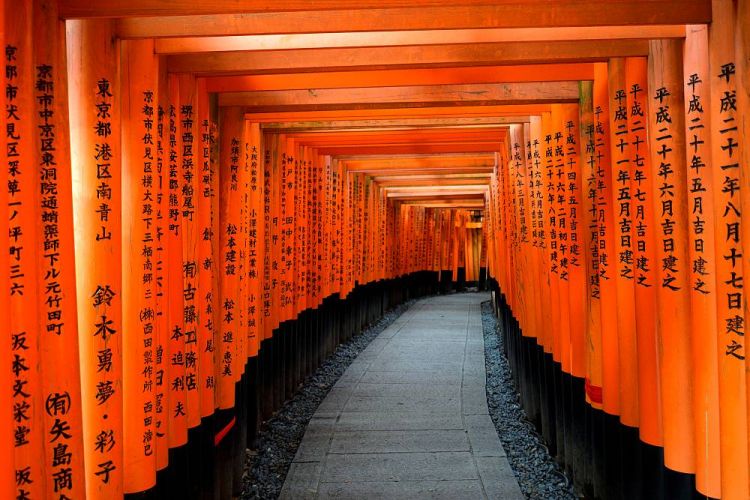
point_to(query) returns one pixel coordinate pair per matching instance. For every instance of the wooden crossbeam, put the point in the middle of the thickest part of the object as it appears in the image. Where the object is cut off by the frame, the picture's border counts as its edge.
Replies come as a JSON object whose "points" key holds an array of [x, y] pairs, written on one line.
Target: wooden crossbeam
{"points": [[478, 147], [471, 204], [187, 45], [368, 114], [400, 77], [421, 56], [424, 163], [425, 136], [431, 182], [393, 124], [398, 180], [229, 17], [376, 172], [396, 97]]}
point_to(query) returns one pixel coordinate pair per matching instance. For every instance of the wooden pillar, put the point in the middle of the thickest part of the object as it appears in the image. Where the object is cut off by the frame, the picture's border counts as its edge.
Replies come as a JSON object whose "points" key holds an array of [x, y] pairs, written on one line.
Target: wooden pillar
{"points": [[726, 150], [93, 63], [161, 324], [26, 307], [577, 257], [669, 178], [58, 323], [207, 226], [176, 337], [742, 45], [139, 109], [592, 233], [621, 259], [702, 262], [189, 134], [255, 238], [231, 123], [608, 276], [7, 422]]}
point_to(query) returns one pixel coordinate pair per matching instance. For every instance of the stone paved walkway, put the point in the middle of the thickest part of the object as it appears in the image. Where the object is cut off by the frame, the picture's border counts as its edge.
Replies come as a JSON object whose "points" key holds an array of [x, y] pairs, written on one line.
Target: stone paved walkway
{"points": [[409, 418]]}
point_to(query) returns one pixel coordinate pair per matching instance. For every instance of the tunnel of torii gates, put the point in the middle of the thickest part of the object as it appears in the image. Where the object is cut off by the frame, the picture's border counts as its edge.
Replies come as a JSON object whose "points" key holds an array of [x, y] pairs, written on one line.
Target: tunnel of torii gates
{"points": [[204, 198]]}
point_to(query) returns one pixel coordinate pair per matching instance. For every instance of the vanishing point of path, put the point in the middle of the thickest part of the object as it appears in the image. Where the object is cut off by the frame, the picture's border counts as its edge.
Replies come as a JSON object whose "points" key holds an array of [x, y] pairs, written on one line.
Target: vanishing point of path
{"points": [[409, 417]]}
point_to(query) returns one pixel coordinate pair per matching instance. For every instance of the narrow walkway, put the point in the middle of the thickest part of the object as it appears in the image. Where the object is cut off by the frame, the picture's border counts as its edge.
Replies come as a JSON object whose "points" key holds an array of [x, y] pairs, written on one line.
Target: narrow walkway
{"points": [[409, 418]]}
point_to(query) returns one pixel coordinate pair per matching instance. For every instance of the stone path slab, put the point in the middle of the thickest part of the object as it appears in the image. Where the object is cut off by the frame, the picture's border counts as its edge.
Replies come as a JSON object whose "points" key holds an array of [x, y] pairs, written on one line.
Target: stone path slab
{"points": [[409, 417]]}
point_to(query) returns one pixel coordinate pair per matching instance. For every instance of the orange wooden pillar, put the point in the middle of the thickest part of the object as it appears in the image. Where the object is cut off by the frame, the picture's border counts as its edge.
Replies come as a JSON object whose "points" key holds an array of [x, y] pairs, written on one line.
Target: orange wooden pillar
{"points": [[188, 131], [206, 196], [93, 62], [553, 255], [177, 424], [60, 390], [644, 250], [521, 181], [726, 149], [161, 324], [577, 257], [277, 169], [255, 239], [742, 44], [668, 176], [7, 422], [267, 244], [607, 266], [562, 230], [702, 263], [139, 108], [621, 260], [532, 234], [591, 222], [26, 308], [231, 123]]}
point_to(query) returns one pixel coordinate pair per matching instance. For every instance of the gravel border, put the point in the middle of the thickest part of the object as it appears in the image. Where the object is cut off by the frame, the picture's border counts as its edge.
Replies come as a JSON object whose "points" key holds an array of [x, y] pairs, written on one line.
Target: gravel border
{"points": [[539, 476], [280, 436]]}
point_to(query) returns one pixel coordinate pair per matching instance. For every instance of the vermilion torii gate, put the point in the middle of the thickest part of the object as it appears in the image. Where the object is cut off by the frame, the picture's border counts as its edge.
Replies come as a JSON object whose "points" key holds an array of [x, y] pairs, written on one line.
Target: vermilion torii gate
{"points": [[204, 198]]}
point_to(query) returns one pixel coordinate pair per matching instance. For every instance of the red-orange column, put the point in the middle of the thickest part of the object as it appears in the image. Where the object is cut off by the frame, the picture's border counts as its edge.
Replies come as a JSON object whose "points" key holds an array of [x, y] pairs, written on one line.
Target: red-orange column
{"points": [[702, 262], [542, 278], [255, 239], [562, 220], [240, 332], [60, 395], [532, 236], [139, 107], [267, 244], [300, 231], [161, 336], [620, 258], [93, 61], [611, 343], [278, 164], [551, 233], [667, 146], [26, 307], [286, 226], [742, 44], [7, 466], [644, 250], [517, 178], [207, 227], [174, 285], [231, 123], [590, 226], [726, 150], [188, 131], [95, 139], [577, 258]]}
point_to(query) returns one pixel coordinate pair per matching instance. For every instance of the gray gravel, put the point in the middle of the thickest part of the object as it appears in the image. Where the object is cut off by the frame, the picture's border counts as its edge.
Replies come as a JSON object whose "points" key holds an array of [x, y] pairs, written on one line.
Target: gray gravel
{"points": [[539, 476], [279, 437]]}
